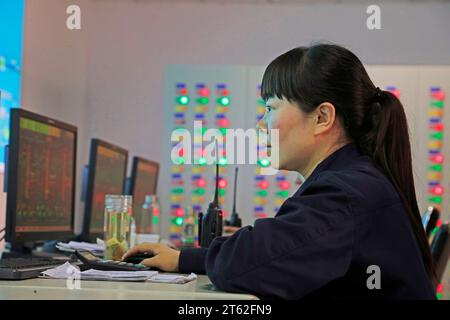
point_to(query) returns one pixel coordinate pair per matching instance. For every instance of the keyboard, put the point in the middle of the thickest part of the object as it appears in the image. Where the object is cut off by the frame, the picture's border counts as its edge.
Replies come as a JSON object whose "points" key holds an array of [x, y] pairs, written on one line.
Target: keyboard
{"points": [[25, 268]]}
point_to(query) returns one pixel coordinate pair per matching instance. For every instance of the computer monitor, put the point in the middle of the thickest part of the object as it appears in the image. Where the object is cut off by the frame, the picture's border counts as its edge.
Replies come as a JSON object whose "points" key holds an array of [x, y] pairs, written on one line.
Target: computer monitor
{"points": [[143, 181], [107, 174], [41, 166]]}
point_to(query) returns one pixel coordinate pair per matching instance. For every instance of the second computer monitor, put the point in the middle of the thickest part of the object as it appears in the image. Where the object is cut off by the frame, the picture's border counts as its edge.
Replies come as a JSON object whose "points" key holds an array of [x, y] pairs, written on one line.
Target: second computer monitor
{"points": [[144, 180], [107, 174]]}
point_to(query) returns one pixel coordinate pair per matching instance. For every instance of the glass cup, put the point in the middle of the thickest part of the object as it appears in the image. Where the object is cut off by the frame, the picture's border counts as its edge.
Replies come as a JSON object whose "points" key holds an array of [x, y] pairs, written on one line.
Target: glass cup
{"points": [[118, 212]]}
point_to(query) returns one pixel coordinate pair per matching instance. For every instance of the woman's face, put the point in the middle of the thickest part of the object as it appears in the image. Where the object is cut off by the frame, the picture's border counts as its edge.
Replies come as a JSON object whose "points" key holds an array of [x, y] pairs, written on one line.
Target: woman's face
{"points": [[295, 130]]}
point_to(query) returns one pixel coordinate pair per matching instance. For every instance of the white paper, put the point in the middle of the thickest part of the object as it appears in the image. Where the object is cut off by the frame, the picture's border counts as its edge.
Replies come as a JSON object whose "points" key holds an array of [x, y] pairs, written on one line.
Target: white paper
{"points": [[67, 270], [63, 271], [97, 248], [173, 278], [82, 246], [142, 275]]}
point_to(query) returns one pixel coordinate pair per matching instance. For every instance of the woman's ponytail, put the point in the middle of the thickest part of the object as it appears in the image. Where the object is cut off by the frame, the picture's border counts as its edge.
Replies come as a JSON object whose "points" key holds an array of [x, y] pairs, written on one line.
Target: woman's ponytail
{"points": [[387, 143]]}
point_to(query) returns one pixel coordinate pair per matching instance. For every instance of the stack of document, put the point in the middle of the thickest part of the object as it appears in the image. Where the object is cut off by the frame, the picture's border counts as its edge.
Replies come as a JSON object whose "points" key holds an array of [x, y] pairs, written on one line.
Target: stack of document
{"points": [[67, 270], [96, 248]]}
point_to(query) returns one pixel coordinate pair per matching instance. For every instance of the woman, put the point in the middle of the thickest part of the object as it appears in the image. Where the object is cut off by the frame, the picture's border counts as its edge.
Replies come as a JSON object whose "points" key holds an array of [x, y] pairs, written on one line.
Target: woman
{"points": [[353, 229]]}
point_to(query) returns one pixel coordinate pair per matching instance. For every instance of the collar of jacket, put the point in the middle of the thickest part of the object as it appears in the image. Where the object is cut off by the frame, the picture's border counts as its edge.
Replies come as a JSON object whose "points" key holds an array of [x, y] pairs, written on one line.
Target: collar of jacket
{"points": [[339, 159]]}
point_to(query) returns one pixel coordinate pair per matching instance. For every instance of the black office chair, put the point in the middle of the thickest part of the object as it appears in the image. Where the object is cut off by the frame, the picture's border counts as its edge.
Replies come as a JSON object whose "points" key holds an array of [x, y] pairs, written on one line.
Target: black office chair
{"points": [[440, 250], [430, 219]]}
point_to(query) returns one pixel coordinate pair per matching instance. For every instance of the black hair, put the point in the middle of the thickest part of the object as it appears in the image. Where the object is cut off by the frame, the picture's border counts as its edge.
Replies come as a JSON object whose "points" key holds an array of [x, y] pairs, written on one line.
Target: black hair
{"points": [[373, 119]]}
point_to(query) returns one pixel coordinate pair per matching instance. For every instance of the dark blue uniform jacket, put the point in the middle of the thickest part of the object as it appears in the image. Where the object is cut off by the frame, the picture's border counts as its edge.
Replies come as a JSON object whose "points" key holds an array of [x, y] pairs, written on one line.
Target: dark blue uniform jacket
{"points": [[345, 217]]}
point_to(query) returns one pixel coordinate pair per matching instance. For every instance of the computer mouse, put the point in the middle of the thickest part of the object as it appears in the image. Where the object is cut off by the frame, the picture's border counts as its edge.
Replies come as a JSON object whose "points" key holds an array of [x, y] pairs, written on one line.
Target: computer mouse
{"points": [[137, 258]]}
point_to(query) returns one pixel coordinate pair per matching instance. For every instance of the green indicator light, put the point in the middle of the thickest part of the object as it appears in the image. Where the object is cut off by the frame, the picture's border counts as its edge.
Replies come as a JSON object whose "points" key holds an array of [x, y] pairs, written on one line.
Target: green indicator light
{"points": [[183, 100], [439, 296], [436, 199], [264, 163], [437, 136], [180, 131], [204, 130], [203, 100], [180, 161], [155, 220], [435, 230], [179, 221], [438, 104], [199, 191], [202, 161], [283, 193], [178, 190], [262, 193], [436, 167], [221, 192], [222, 161], [223, 131], [224, 101]]}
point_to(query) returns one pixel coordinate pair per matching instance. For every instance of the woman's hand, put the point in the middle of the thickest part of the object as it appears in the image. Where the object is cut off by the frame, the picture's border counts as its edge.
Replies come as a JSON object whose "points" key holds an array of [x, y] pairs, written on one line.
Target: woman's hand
{"points": [[229, 229], [165, 258]]}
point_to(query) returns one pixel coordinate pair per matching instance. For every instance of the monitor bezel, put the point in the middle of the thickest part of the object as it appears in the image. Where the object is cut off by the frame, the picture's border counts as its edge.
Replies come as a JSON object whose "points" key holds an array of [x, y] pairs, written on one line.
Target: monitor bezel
{"points": [[95, 143], [11, 198], [134, 172]]}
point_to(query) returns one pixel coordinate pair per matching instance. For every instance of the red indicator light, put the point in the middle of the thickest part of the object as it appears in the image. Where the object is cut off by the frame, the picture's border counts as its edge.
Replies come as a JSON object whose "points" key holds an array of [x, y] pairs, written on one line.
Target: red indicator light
{"points": [[284, 185], [396, 93], [224, 213], [263, 184], [440, 95], [179, 212], [438, 127], [201, 183], [224, 122], [222, 183], [204, 92], [438, 190], [439, 158]]}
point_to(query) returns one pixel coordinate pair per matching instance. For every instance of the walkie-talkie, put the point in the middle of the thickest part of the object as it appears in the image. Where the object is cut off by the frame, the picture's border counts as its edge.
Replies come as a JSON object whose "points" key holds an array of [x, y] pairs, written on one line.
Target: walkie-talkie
{"points": [[234, 220], [211, 223]]}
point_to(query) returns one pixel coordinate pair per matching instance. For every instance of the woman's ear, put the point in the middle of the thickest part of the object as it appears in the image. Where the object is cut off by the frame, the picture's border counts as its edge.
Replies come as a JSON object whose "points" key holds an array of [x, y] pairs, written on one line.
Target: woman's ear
{"points": [[325, 117]]}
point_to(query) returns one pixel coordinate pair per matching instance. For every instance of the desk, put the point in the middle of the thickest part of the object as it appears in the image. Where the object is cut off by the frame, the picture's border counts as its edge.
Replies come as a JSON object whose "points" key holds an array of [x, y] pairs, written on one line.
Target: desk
{"points": [[56, 289]]}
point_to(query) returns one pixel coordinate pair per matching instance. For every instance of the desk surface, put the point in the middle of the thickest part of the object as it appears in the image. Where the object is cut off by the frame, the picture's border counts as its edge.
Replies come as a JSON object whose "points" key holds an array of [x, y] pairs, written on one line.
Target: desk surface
{"points": [[48, 289]]}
